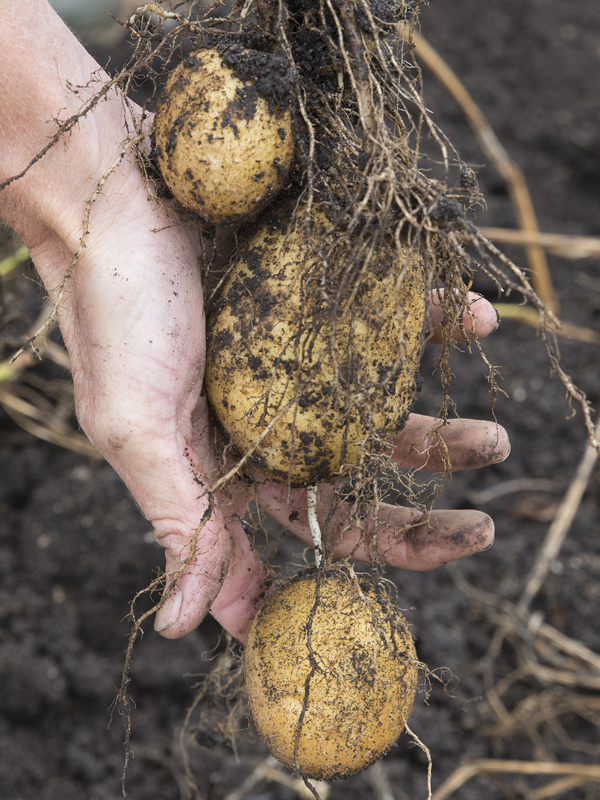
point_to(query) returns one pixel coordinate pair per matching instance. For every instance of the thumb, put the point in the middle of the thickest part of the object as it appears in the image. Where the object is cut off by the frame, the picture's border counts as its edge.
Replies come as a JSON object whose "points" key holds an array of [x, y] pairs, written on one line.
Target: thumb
{"points": [[198, 550], [210, 563], [212, 567]]}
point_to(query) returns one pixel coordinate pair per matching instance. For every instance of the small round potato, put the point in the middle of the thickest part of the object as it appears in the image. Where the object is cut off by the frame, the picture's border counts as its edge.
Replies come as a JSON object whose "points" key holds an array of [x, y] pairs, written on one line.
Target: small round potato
{"points": [[298, 382], [223, 150], [331, 671]]}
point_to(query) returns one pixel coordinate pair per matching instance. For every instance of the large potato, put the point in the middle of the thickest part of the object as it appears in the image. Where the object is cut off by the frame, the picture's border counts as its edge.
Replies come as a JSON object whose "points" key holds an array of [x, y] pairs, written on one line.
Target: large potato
{"points": [[358, 673], [271, 350], [223, 150]]}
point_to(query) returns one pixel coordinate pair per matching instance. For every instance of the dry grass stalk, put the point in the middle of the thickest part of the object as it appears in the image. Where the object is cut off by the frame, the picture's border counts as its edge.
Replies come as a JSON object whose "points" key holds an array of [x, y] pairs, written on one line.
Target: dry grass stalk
{"points": [[530, 316], [545, 706], [559, 528], [35, 418], [506, 166], [42, 407], [557, 787], [560, 244], [569, 646], [269, 771], [566, 669], [583, 772], [380, 783]]}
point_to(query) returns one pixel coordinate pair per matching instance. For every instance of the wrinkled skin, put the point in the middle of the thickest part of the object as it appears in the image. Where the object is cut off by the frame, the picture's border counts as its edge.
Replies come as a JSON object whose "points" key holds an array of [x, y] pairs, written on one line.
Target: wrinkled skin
{"points": [[133, 323]]}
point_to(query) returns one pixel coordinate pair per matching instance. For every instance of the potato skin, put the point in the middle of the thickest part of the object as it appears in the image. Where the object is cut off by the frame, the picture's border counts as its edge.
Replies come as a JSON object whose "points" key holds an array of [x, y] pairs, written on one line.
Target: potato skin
{"points": [[362, 690], [223, 150], [264, 353]]}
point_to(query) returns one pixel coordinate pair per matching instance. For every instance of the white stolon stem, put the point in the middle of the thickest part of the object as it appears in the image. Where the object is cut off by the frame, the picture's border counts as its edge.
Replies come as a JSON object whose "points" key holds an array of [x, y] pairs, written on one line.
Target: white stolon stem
{"points": [[313, 523]]}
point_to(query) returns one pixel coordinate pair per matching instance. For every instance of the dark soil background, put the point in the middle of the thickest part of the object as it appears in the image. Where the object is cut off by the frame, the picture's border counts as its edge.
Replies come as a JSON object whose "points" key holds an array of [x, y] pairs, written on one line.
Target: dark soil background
{"points": [[74, 549]]}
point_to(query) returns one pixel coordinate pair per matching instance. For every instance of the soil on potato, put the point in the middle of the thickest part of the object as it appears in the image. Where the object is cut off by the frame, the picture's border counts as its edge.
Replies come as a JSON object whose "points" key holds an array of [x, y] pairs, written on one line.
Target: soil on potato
{"points": [[74, 549]]}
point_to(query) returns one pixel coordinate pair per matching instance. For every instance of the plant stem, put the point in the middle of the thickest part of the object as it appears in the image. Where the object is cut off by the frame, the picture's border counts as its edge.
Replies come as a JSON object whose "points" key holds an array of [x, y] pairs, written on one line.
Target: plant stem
{"points": [[313, 522]]}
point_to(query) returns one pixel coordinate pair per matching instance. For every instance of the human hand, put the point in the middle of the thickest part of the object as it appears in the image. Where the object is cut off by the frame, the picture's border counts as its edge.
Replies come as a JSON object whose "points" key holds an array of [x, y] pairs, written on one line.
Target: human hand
{"points": [[133, 322]]}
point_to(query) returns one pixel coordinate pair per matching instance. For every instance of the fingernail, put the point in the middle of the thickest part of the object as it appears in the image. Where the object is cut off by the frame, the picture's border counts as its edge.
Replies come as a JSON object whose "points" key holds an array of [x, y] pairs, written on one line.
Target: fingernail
{"points": [[169, 613]]}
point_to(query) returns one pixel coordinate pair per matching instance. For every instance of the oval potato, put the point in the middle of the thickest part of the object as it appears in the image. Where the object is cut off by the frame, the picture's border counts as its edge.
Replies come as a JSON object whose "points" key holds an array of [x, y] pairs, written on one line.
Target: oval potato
{"points": [[222, 150], [350, 688], [273, 358]]}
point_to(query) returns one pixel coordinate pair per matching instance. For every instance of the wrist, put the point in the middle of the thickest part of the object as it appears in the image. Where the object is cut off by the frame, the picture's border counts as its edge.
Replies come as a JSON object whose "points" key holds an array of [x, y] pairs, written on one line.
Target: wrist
{"points": [[49, 201]]}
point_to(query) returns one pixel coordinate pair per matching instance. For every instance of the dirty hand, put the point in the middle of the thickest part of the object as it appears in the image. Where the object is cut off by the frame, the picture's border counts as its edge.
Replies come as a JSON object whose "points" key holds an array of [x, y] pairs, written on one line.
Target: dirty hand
{"points": [[133, 322]]}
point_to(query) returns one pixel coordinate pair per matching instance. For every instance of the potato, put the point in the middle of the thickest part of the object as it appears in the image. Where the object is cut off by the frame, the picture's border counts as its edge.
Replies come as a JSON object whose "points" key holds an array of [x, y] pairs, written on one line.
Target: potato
{"points": [[270, 352], [223, 150], [353, 659]]}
